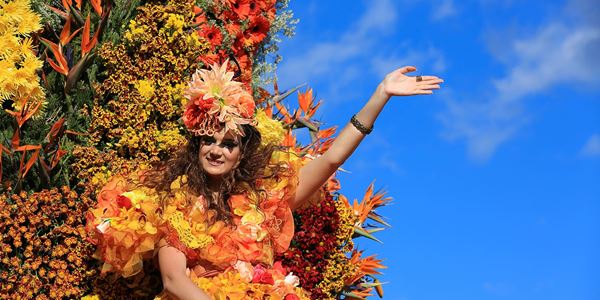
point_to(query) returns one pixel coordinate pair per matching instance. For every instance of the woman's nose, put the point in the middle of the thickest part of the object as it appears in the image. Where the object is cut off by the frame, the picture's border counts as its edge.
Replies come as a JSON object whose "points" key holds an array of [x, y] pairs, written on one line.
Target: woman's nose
{"points": [[215, 150]]}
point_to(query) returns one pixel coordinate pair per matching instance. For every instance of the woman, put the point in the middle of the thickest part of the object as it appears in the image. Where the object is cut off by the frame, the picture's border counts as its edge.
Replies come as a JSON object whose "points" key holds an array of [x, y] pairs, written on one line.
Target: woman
{"points": [[238, 211]]}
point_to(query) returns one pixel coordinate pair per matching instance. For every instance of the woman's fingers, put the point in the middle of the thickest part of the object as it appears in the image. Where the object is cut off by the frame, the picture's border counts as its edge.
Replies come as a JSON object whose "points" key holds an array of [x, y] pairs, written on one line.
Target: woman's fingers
{"points": [[431, 78], [429, 86], [423, 92], [406, 69]]}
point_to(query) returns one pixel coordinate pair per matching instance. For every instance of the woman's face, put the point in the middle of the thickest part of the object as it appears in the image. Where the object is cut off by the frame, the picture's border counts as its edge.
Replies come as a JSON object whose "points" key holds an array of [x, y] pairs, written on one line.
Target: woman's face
{"points": [[220, 153]]}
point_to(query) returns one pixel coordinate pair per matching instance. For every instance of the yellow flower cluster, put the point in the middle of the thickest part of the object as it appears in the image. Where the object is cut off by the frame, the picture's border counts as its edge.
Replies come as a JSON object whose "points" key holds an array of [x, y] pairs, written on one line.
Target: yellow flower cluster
{"points": [[338, 270], [139, 104], [271, 131], [145, 88], [231, 285], [345, 228], [135, 32], [173, 28], [169, 140], [100, 178], [18, 61]]}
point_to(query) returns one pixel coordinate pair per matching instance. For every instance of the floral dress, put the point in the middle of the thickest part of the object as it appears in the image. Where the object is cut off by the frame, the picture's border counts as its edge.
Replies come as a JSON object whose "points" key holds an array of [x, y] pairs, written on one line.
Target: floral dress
{"points": [[228, 260]]}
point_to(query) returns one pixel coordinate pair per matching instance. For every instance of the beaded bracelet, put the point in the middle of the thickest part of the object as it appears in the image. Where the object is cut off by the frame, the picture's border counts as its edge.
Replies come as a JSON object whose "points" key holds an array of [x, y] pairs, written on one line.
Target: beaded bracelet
{"points": [[358, 125]]}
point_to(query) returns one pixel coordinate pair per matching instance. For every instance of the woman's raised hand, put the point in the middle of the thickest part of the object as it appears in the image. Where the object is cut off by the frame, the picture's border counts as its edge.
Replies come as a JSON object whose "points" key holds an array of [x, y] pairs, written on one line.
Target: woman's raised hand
{"points": [[397, 83]]}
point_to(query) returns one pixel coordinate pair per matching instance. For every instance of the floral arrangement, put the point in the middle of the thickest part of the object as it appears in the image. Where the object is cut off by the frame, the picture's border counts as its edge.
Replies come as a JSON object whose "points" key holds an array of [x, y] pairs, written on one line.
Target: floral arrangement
{"points": [[260, 282], [100, 90], [214, 99], [43, 242]]}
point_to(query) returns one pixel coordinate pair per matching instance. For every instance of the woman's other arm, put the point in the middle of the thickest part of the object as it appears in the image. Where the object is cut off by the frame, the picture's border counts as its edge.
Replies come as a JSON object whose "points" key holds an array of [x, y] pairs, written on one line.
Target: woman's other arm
{"points": [[316, 172], [172, 264]]}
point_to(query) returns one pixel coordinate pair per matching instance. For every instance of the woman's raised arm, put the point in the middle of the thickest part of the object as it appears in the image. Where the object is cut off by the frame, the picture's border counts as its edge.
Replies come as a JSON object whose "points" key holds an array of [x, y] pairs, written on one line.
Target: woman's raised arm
{"points": [[316, 172]]}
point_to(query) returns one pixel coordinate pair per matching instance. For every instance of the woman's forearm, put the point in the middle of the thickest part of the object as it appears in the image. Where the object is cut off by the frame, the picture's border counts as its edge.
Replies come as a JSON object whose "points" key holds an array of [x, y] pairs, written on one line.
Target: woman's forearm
{"points": [[172, 264], [315, 173], [350, 137], [182, 288]]}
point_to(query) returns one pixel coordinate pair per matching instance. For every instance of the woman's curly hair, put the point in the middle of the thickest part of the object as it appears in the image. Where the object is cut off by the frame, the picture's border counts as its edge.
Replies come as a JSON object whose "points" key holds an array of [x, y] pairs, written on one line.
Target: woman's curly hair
{"points": [[186, 162]]}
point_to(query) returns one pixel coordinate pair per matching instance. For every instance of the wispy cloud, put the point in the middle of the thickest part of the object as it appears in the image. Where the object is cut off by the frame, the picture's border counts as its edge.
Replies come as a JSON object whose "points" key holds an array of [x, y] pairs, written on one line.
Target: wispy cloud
{"points": [[443, 10], [555, 55], [329, 57], [591, 147], [363, 49], [430, 57]]}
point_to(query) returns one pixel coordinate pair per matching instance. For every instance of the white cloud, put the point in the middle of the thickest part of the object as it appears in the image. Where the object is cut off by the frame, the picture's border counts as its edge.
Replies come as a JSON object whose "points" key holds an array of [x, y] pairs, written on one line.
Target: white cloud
{"points": [[556, 55], [330, 57], [430, 58], [364, 49], [591, 147], [443, 10]]}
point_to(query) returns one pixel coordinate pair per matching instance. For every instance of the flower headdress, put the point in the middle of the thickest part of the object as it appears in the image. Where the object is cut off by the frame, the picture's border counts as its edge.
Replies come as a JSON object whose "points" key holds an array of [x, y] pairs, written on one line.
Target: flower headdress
{"points": [[217, 101]]}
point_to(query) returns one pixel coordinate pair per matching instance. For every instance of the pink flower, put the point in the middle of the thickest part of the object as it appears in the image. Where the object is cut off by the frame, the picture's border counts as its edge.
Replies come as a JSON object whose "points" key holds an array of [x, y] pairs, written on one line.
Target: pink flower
{"points": [[261, 275], [245, 270]]}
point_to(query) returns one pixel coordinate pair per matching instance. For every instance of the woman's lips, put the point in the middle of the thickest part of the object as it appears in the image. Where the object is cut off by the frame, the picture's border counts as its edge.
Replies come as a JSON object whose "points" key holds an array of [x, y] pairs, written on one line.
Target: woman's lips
{"points": [[214, 162]]}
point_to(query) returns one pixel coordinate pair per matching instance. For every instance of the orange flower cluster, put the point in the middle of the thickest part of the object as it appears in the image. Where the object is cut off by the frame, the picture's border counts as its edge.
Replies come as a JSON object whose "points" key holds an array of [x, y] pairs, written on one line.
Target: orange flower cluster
{"points": [[44, 252], [138, 105], [235, 27]]}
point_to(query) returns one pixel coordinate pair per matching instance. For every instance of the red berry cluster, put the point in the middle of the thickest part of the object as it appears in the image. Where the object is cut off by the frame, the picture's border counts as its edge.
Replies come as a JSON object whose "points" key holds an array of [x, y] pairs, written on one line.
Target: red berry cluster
{"points": [[314, 241]]}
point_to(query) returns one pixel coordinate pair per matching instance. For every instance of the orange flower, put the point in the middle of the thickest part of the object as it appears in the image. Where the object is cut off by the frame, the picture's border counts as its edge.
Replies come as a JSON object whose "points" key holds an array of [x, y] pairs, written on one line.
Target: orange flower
{"points": [[257, 29], [212, 34], [241, 8]]}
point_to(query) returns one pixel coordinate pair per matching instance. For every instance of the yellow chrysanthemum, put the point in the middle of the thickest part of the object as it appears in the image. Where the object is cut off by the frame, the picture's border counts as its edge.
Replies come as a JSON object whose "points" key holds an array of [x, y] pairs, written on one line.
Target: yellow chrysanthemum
{"points": [[29, 23], [18, 62], [145, 88], [271, 131]]}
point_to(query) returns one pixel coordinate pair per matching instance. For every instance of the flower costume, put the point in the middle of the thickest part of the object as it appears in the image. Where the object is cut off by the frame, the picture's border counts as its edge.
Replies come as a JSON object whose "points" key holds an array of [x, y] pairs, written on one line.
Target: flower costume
{"points": [[233, 259]]}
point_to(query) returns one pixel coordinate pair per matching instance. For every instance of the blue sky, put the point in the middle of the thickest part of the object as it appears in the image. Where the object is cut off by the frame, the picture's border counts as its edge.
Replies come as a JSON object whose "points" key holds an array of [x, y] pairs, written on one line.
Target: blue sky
{"points": [[493, 176]]}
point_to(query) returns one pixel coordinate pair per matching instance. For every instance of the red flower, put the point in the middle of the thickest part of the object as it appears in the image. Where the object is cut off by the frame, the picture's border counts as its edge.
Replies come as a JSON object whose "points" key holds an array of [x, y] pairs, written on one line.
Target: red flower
{"points": [[212, 34], [233, 29], [261, 275], [241, 8], [254, 8], [257, 29], [291, 297], [212, 58], [123, 201], [200, 17]]}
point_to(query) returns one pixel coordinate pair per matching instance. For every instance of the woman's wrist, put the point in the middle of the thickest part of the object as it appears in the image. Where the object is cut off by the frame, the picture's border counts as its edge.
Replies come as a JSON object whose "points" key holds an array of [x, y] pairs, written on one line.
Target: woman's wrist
{"points": [[381, 94]]}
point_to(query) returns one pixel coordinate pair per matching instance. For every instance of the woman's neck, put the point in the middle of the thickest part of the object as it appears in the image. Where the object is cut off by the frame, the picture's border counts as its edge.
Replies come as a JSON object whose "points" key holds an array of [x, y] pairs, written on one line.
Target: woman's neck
{"points": [[214, 185]]}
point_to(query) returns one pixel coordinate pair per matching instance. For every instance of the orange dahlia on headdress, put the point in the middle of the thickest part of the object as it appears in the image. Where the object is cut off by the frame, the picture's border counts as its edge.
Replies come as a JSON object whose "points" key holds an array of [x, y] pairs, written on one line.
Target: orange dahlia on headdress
{"points": [[215, 101]]}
